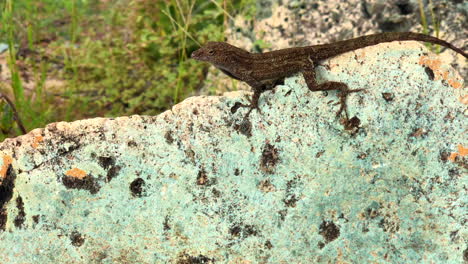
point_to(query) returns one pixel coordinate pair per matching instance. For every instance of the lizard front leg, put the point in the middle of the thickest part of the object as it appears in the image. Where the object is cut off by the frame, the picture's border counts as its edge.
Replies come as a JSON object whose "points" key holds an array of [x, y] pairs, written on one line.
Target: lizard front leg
{"points": [[309, 76], [258, 88]]}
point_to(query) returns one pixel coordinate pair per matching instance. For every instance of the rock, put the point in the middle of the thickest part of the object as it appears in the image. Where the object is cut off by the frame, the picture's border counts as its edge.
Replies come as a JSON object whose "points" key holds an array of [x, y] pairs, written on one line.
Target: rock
{"points": [[292, 185]]}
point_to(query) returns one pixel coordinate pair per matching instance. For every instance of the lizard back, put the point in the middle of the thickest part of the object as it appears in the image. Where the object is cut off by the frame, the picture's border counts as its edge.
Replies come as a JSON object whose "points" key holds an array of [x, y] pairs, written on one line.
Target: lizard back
{"points": [[320, 52]]}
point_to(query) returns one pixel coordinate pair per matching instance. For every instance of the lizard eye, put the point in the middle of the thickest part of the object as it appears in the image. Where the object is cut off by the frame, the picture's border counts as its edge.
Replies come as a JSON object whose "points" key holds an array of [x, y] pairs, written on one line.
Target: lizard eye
{"points": [[211, 52]]}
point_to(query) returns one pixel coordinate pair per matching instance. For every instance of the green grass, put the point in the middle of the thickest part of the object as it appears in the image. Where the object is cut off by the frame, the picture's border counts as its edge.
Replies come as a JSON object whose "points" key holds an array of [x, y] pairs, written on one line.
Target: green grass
{"points": [[425, 25], [116, 58]]}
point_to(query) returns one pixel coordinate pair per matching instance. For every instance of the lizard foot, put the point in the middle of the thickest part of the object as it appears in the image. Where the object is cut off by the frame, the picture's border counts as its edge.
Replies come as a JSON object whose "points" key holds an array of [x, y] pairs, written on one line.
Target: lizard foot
{"points": [[251, 107], [343, 96], [253, 104]]}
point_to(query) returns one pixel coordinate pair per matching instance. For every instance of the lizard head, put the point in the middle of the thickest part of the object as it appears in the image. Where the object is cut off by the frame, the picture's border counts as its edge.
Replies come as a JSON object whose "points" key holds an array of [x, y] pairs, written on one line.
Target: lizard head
{"points": [[218, 53]]}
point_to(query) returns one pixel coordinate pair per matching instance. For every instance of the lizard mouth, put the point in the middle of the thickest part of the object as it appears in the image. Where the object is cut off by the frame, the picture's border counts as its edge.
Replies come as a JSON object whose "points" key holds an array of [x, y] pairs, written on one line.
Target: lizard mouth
{"points": [[195, 55], [199, 55]]}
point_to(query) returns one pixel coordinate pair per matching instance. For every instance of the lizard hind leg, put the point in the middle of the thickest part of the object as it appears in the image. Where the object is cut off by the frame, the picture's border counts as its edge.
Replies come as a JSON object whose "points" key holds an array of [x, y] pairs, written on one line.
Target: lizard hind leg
{"points": [[344, 91], [309, 76]]}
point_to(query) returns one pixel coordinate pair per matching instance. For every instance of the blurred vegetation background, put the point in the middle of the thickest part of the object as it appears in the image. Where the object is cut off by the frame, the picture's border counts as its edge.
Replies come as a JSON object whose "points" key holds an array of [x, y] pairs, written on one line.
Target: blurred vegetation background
{"points": [[73, 59]]}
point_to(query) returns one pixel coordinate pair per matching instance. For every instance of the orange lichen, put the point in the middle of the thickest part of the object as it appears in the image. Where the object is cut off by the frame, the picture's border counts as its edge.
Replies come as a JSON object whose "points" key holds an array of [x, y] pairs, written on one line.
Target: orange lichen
{"points": [[434, 64], [439, 73], [37, 139], [463, 99], [455, 84], [7, 160], [77, 173], [462, 151]]}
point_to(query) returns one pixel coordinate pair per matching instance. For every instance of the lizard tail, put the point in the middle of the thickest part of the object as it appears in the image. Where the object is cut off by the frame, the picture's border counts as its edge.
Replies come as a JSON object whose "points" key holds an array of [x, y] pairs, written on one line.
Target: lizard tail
{"points": [[369, 40]]}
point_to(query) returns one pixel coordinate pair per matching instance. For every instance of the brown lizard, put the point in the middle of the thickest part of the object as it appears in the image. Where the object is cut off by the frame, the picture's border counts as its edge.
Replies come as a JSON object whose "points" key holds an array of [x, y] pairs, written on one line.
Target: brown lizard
{"points": [[262, 71]]}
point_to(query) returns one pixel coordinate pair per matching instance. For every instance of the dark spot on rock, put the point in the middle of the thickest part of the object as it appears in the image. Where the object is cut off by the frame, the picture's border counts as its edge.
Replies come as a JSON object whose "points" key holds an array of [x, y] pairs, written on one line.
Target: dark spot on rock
{"points": [[202, 178], [166, 226], [461, 161], [249, 230], [236, 107], [265, 185], [216, 193], [35, 218], [132, 143], [454, 237], [112, 173], [282, 214], [315, 5], [19, 219], [237, 172], [245, 127], [388, 226], [200, 259], [453, 173], [6, 192], [72, 143], [3, 218], [269, 159], [329, 231], [242, 231], [290, 200], [362, 155], [429, 72], [388, 97], [319, 154], [444, 155], [168, 137], [235, 231], [7, 186], [195, 111], [465, 254], [77, 239], [353, 124], [268, 244], [405, 7], [418, 132], [87, 183], [365, 228], [106, 162], [136, 187], [321, 245], [190, 155]]}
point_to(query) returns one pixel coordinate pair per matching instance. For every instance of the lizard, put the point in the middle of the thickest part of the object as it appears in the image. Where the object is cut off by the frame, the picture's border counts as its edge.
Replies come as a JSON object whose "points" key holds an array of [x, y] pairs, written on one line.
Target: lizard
{"points": [[262, 71]]}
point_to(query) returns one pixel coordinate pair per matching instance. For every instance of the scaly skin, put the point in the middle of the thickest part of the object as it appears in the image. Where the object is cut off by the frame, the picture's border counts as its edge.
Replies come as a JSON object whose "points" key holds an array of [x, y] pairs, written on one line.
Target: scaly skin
{"points": [[262, 71]]}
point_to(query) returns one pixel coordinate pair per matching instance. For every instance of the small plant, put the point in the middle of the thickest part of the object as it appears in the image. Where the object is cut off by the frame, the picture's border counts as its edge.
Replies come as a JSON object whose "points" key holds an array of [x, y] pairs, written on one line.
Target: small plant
{"points": [[435, 21]]}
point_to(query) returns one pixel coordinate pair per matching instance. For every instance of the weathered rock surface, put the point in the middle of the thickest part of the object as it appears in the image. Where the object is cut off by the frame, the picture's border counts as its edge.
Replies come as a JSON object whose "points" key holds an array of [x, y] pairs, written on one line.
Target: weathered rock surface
{"points": [[197, 185]]}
